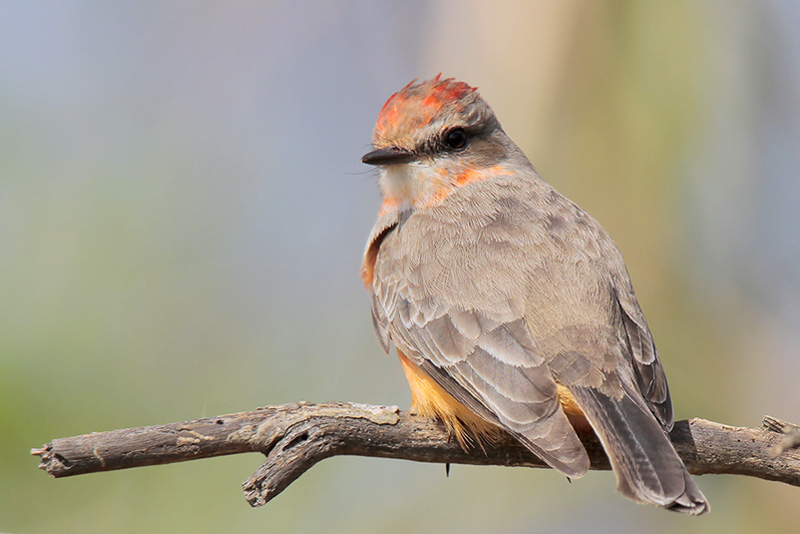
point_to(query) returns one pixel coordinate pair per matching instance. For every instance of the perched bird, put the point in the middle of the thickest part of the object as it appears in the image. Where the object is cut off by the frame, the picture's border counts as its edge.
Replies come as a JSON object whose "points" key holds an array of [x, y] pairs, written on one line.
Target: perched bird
{"points": [[510, 307]]}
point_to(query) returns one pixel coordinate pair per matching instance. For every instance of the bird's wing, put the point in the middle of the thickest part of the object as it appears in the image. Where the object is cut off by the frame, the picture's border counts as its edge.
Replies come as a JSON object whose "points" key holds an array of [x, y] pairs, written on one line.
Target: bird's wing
{"points": [[478, 349], [650, 377], [386, 223], [494, 369]]}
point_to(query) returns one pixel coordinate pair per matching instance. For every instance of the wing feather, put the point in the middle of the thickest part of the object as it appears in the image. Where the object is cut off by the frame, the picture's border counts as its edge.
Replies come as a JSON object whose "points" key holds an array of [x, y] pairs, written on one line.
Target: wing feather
{"points": [[497, 374], [650, 376]]}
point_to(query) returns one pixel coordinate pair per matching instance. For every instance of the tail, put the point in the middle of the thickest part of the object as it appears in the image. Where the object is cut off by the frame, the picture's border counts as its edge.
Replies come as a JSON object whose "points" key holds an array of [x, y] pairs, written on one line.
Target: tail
{"points": [[647, 467]]}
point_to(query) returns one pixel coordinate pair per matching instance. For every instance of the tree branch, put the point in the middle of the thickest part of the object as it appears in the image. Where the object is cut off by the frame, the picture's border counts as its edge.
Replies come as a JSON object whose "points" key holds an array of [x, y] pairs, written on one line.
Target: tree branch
{"points": [[294, 437]]}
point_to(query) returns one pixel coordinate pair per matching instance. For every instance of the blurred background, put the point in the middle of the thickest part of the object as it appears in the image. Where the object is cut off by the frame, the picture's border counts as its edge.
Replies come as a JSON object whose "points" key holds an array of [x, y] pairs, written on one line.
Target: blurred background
{"points": [[183, 212]]}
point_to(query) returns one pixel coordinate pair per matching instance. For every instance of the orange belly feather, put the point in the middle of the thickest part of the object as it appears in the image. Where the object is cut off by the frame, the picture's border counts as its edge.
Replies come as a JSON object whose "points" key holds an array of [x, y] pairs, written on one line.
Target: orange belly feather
{"points": [[428, 399]]}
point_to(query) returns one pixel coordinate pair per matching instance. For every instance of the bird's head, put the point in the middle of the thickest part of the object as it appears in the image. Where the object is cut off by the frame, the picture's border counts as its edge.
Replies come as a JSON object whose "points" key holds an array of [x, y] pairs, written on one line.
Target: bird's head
{"points": [[432, 137]]}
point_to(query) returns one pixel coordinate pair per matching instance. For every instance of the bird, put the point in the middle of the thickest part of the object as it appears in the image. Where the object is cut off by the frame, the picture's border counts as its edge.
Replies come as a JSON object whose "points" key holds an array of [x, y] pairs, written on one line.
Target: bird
{"points": [[510, 307]]}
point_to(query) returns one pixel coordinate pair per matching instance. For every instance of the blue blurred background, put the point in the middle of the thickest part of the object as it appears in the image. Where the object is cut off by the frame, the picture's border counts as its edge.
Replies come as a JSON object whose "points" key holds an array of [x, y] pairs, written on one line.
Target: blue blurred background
{"points": [[183, 211]]}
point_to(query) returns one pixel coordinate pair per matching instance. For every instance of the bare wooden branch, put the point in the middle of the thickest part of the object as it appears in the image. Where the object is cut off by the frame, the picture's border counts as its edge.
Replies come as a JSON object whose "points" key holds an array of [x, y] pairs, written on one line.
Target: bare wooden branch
{"points": [[294, 437]]}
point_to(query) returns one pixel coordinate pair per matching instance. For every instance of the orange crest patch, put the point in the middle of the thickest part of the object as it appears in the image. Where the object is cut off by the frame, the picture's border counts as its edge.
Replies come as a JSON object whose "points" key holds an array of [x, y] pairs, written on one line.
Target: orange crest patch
{"points": [[418, 104]]}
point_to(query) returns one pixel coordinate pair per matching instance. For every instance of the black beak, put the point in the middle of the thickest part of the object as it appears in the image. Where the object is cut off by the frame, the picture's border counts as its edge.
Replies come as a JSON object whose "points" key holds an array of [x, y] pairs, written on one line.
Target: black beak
{"points": [[390, 155]]}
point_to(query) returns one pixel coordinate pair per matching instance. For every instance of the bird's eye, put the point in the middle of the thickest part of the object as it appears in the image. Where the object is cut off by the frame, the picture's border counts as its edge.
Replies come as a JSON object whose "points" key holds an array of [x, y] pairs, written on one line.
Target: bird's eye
{"points": [[455, 138]]}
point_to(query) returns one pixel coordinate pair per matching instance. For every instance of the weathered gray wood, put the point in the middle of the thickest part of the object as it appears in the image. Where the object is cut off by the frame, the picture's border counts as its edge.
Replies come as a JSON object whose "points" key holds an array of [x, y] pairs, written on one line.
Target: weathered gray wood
{"points": [[294, 437]]}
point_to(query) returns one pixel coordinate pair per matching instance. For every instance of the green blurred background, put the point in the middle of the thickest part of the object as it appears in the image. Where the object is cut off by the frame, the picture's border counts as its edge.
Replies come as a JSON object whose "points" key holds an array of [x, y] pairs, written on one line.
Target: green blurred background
{"points": [[183, 211]]}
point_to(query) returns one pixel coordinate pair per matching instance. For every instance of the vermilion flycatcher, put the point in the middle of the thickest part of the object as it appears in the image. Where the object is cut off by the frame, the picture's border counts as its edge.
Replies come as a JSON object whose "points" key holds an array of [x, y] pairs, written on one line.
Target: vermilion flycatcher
{"points": [[511, 307]]}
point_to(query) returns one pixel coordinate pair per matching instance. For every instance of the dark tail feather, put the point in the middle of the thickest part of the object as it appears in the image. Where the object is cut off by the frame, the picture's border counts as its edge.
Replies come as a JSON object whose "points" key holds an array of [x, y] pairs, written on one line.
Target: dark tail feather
{"points": [[691, 501], [647, 467]]}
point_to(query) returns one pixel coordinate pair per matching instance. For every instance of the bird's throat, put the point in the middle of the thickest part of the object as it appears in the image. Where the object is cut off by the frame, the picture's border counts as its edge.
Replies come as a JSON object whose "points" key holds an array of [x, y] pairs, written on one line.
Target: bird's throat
{"points": [[419, 185], [406, 185]]}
